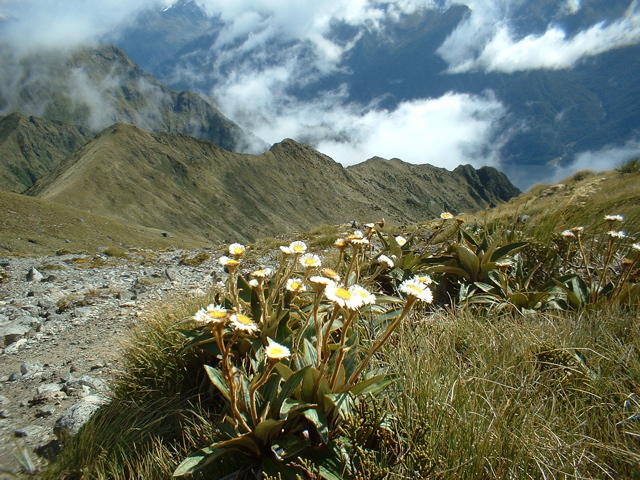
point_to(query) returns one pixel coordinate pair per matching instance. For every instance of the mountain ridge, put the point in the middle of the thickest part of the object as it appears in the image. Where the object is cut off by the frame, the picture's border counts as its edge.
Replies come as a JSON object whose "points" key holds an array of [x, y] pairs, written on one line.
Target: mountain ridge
{"points": [[180, 183]]}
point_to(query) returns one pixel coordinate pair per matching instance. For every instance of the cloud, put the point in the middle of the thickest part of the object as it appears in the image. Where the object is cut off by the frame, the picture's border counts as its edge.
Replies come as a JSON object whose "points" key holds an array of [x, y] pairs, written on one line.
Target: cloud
{"points": [[607, 158], [486, 41], [444, 131], [29, 25]]}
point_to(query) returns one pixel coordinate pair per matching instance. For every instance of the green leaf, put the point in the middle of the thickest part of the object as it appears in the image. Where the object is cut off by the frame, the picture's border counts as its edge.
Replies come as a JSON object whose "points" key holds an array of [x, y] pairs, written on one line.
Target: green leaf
{"points": [[291, 406], [468, 259], [373, 385], [288, 387], [199, 340], [327, 460], [288, 446], [244, 444], [458, 272], [320, 422], [310, 352], [341, 402], [217, 378], [268, 430], [507, 249], [312, 377], [284, 371]]}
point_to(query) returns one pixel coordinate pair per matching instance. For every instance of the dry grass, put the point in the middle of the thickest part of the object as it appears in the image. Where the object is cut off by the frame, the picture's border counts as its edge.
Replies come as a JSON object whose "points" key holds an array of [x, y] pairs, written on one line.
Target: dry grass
{"points": [[511, 397]]}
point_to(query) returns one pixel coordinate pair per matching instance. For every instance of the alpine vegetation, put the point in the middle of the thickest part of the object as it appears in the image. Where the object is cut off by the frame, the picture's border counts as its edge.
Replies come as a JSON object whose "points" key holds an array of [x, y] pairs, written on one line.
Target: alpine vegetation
{"points": [[290, 354], [452, 349]]}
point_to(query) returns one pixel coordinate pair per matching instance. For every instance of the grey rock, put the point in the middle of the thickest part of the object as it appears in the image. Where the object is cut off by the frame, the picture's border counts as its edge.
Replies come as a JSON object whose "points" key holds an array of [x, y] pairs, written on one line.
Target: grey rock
{"points": [[45, 411], [75, 417], [91, 382], [16, 346], [49, 391], [34, 275], [30, 368], [34, 431], [15, 376], [127, 295], [15, 331], [4, 401]]}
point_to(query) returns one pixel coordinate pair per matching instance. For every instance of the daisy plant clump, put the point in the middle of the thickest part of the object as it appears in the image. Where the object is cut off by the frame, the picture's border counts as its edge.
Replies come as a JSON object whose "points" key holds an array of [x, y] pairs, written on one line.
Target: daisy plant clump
{"points": [[603, 265], [290, 351]]}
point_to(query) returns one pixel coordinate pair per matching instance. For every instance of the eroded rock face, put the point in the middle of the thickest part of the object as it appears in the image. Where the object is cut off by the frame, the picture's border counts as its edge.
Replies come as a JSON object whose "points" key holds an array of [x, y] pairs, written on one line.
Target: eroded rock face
{"points": [[60, 338]]}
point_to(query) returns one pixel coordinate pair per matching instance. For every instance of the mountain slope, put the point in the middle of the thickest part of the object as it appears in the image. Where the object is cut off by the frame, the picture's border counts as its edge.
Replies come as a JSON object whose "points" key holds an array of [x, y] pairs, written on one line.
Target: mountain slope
{"points": [[96, 87], [179, 183], [31, 147]]}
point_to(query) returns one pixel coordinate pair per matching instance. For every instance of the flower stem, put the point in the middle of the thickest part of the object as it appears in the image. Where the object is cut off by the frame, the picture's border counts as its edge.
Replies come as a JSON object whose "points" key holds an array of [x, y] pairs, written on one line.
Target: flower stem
{"points": [[392, 326]]}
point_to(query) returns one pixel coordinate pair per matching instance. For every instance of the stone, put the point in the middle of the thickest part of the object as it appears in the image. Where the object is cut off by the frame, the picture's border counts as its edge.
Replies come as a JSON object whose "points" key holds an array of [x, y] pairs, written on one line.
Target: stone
{"points": [[34, 275], [30, 431], [49, 391], [31, 368], [91, 382], [45, 411], [14, 331], [75, 417], [15, 347]]}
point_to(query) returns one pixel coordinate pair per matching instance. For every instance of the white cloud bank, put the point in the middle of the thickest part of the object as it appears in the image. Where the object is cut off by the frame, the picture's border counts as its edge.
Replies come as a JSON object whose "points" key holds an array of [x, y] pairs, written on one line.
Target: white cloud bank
{"points": [[485, 41], [607, 158]]}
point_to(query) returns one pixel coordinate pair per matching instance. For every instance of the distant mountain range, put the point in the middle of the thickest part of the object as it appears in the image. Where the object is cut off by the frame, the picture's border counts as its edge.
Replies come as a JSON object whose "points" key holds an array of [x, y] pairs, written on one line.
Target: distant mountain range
{"points": [[553, 114], [96, 87], [187, 186]]}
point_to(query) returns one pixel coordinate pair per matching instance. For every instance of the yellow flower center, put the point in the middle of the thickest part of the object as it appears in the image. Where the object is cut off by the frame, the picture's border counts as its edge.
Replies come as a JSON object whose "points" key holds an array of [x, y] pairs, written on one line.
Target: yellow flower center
{"points": [[309, 261], [298, 248], [343, 293], [217, 314], [238, 251], [295, 285], [243, 319], [277, 351]]}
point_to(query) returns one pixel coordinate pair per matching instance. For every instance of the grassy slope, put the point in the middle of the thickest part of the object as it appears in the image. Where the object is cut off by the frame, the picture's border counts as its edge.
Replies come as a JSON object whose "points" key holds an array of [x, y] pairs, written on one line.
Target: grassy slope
{"points": [[31, 226], [581, 200]]}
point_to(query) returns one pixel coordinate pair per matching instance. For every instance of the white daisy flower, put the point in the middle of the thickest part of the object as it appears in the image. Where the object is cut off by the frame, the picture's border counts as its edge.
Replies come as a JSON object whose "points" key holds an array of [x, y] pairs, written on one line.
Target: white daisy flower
{"points": [[228, 262], [383, 259], [237, 250], [345, 297], [368, 298], [298, 247], [295, 285], [417, 289], [310, 260], [275, 351], [262, 273], [242, 322]]}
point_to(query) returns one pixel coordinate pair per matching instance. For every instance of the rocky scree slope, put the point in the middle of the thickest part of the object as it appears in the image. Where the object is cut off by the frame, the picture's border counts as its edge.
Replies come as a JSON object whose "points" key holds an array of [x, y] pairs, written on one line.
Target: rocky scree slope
{"points": [[62, 323]]}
